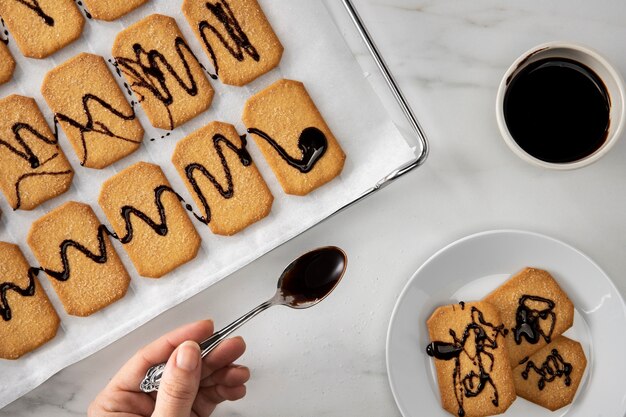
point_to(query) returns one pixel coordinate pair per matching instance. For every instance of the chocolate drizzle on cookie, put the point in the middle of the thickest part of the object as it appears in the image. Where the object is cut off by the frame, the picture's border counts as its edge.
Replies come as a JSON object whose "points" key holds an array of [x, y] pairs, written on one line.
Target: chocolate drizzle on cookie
{"points": [[478, 338], [241, 45], [148, 71], [93, 125], [34, 6], [100, 257], [228, 192], [29, 291], [159, 227], [26, 153], [312, 143], [553, 367], [528, 320]]}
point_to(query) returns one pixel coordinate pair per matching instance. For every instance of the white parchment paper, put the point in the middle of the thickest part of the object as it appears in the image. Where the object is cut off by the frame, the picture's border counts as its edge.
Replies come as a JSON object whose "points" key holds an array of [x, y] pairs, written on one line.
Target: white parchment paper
{"points": [[316, 54]]}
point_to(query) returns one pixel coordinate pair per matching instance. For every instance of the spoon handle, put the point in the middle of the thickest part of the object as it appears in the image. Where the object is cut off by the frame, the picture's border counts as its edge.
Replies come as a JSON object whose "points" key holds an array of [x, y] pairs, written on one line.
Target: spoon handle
{"points": [[152, 380]]}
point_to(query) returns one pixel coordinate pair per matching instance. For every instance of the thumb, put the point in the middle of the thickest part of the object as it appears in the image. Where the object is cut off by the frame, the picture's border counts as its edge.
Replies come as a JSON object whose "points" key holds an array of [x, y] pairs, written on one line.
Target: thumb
{"points": [[180, 382]]}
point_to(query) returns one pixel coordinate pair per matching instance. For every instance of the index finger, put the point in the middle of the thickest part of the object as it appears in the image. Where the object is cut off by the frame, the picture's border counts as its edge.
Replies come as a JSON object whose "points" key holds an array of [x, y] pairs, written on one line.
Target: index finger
{"points": [[131, 374]]}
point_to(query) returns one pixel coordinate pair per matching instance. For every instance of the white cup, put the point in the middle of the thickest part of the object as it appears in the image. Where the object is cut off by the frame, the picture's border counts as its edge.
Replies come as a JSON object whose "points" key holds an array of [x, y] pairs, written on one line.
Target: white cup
{"points": [[612, 80]]}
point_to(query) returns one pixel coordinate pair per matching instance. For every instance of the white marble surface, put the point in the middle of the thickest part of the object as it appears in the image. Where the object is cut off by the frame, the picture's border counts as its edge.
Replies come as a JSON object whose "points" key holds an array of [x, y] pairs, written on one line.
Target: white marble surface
{"points": [[448, 56]]}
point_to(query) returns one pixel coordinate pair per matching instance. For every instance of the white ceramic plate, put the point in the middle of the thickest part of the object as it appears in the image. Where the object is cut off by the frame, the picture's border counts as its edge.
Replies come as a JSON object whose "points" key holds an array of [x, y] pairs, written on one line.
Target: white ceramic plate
{"points": [[469, 269]]}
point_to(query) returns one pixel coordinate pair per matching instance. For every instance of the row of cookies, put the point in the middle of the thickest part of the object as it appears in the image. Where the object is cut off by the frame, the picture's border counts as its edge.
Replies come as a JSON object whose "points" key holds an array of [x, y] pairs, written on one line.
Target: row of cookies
{"points": [[230, 31], [213, 161], [283, 119], [147, 217], [510, 344]]}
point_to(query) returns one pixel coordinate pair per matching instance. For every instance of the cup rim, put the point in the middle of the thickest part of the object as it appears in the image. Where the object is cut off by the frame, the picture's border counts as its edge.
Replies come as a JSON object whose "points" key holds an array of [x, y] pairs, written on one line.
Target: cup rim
{"points": [[518, 64]]}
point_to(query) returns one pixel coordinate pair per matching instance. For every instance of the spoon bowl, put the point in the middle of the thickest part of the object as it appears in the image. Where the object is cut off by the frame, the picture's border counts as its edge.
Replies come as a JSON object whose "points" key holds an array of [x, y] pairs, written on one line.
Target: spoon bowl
{"points": [[310, 278], [305, 282]]}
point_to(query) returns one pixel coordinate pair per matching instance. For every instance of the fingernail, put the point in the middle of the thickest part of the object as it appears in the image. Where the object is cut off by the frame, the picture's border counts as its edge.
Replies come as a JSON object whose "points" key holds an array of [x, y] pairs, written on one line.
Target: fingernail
{"points": [[188, 356]]}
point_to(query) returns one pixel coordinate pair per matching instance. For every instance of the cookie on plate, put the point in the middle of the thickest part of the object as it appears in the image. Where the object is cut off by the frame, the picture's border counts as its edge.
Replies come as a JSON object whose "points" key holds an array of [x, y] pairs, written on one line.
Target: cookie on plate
{"points": [[236, 36], [550, 376], [7, 63], [28, 320], [534, 309], [470, 352], [42, 27], [33, 168], [109, 10], [162, 71], [149, 219], [220, 175], [92, 110], [74, 250], [293, 137]]}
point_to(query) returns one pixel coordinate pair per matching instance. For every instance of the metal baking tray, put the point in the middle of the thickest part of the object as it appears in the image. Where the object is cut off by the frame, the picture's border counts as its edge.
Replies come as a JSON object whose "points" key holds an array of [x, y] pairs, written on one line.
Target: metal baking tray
{"points": [[344, 15], [376, 70]]}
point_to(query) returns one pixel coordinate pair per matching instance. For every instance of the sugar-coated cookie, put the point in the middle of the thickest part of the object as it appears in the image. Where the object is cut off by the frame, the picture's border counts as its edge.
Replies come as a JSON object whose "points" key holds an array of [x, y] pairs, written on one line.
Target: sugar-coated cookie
{"points": [[74, 250], [7, 63], [293, 137], [33, 168], [220, 175], [111, 9], [534, 309], [27, 319], [149, 219], [42, 27], [162, 71], [470, 352], [92, 110], [236, 37], [550, 377]]}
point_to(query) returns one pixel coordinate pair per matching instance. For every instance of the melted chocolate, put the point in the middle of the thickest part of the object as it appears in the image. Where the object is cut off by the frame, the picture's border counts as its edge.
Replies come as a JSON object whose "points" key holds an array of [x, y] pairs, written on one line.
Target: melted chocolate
{"points": [[99, 258], [483, 337], [244, 158], [29, 291], [4, 38], [528, 323], [312, 276], [553, 367], [26, 153], [312, 143], [160, 227], [241, 44], [34, 6], [443, 350], [87, 14], [93, 125], [145, 69], [557, 110]]}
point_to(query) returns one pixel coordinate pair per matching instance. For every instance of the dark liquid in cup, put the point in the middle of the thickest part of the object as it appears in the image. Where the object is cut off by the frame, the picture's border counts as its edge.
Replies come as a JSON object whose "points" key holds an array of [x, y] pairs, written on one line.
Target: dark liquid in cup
{"points": [[557, 110]]}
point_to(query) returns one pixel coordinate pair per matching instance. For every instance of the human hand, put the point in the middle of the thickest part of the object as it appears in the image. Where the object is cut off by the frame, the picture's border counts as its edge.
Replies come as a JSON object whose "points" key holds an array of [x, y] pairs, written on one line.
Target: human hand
{"points": [[190, 386]]}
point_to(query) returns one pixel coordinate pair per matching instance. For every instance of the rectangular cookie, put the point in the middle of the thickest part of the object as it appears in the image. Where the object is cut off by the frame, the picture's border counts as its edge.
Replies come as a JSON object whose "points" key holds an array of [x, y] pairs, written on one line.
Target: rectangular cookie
{"points": [[109, 10], [534, 309], [293, 137], [147, 216], [236, 37], [92, 110], [7, 63], [550, 377], [220, 175], [471, 360], [33, 167], [28, 320], [42, 27], [74, 250], [162, 71]]}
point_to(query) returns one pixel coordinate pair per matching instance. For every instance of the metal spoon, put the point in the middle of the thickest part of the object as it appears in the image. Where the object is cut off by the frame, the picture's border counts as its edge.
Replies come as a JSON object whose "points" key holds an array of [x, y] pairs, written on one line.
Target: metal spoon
{"points": [[305, 282]]}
